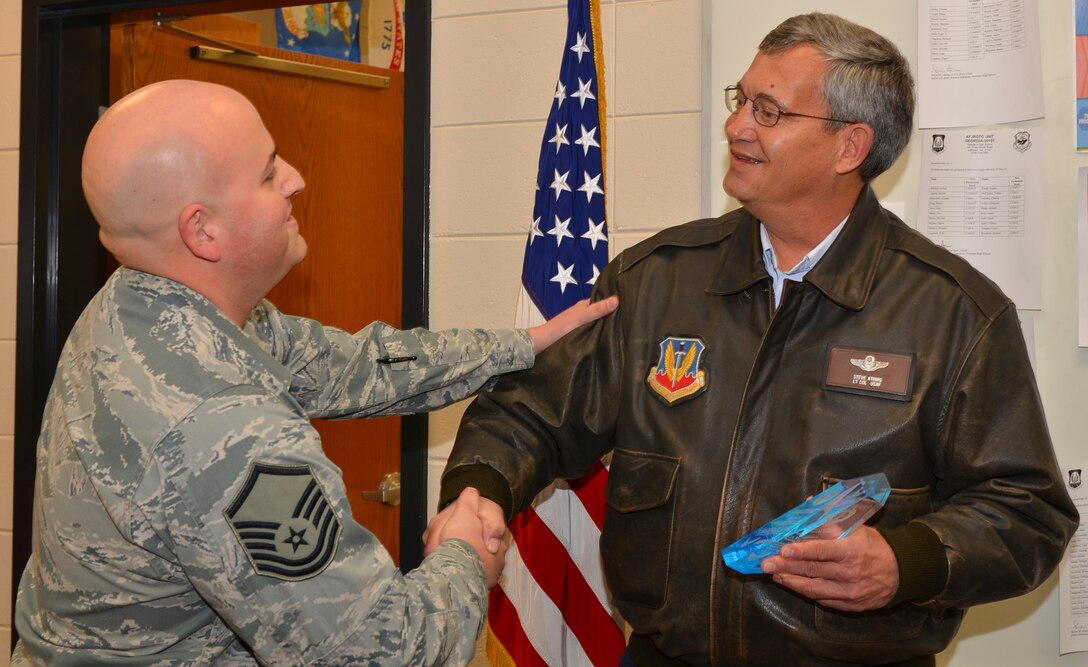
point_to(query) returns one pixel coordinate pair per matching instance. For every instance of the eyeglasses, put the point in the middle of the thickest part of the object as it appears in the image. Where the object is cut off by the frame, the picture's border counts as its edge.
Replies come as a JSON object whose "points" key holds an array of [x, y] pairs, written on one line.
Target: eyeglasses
{"points": [[765, 111]]}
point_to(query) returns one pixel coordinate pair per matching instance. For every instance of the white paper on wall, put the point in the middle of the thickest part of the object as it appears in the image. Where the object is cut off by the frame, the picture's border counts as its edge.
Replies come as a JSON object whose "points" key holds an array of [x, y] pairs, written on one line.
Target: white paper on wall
{"points": [[1082, 257], [979, 63], [1073, 573], [980, 196]]}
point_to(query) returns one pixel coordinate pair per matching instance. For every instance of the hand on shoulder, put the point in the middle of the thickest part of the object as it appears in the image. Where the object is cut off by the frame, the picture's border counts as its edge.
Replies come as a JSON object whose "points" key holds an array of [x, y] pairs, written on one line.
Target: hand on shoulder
{"points": [[583, 312]]}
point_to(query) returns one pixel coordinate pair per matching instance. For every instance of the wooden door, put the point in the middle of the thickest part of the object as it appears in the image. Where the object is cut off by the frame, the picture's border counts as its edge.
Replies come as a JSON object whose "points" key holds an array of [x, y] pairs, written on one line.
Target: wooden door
{"points": [[348, 143]]}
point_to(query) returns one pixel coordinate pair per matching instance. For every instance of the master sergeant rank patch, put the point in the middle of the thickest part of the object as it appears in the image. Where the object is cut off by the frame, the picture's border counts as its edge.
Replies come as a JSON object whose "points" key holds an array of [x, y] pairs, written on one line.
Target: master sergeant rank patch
{"points": [[284, 520]]}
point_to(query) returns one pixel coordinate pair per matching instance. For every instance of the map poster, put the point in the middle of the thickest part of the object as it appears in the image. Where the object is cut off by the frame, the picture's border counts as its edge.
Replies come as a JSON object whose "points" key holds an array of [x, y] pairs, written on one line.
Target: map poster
{"points": [[329, 29]]}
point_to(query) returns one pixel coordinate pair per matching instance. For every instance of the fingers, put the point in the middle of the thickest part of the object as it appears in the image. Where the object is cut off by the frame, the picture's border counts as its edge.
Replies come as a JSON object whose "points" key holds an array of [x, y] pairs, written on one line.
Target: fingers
{"points": [[599, 309], [585, 312], [818, 550], [468, 511], [458, 512], [468, 523], [491, 515], [798, 556], [580, 313], [469, 501], [433, 535], [855, 573], [814, 589]]}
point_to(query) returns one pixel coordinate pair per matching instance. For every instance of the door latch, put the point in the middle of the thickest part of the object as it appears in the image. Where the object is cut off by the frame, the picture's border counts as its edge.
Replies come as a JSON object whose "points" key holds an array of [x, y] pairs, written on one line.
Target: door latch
{"points": [[388, 490]]}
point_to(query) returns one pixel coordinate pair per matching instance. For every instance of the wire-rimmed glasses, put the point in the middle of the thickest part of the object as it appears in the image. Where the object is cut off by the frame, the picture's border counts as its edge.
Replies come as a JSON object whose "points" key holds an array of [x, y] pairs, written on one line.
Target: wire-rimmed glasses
{"points": [[766, 112]]}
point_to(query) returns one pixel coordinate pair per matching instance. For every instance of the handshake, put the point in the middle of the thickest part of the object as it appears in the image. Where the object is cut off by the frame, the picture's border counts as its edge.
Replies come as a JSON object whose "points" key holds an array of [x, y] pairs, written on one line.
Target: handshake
{"points": [[476, 520]]}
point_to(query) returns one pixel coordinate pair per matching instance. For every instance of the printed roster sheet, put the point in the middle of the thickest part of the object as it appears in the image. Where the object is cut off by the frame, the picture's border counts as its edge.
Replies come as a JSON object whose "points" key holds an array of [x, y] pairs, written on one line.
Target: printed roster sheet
{"points": [[979, 63], [1074, 573], [980, 196]]}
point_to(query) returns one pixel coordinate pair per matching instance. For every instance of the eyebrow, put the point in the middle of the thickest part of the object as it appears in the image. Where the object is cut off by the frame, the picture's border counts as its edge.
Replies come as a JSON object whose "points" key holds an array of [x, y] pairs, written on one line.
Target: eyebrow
{"points": [[761, 96]]}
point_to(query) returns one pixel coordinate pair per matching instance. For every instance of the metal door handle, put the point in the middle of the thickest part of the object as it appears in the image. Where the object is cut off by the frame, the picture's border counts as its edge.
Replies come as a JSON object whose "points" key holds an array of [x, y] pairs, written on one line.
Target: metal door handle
{"points": [[388, 490]]}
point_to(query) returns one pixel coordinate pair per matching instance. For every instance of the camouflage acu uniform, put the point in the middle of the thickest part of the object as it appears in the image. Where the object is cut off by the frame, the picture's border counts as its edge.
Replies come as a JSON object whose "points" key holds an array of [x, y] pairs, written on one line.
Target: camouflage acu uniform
{"points": [[186, 514]]}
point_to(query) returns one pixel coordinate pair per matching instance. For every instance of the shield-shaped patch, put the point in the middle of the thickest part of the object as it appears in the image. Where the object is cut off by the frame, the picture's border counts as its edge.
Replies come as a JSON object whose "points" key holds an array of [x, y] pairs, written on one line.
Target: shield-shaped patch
{"points": [[285, 522], [676, 374]]}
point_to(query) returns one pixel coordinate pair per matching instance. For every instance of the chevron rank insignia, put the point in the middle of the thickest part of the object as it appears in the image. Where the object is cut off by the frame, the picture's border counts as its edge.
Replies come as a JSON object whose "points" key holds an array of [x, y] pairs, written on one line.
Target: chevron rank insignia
{"points": [[285, 522], [677, 374]]}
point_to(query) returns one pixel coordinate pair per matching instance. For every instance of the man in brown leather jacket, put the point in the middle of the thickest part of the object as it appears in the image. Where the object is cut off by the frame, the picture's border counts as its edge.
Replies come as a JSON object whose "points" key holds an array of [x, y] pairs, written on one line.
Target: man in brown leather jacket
{"points": [[808, 337]]}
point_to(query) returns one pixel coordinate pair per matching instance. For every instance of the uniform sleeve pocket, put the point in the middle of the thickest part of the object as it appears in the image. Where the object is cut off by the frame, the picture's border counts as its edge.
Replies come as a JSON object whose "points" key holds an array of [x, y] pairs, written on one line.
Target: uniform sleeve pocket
{"points": [[641, 503]]}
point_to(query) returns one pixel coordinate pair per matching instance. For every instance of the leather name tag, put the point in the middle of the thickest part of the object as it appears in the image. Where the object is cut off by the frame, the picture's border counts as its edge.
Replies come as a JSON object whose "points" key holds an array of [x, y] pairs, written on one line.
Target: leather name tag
{"points": [[870, 372]]}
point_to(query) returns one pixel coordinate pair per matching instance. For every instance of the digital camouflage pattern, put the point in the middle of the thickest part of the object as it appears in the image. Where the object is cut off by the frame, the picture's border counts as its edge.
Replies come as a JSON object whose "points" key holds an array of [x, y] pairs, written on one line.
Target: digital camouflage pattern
{"points": [[167, 438]]}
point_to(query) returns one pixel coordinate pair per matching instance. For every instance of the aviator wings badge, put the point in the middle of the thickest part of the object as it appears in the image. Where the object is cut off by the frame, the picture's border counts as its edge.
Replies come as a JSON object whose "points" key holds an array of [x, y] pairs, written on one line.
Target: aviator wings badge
{"points": [[869, 363], [677, 374]]}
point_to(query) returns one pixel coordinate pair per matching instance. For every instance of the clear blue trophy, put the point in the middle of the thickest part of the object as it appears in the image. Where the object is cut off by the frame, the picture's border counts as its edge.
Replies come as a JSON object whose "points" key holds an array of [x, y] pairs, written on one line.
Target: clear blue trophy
{"points": [[833, 513]]}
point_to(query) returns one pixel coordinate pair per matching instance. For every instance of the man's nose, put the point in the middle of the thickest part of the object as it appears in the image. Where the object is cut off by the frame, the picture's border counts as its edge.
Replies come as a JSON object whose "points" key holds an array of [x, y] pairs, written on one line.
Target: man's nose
{"points": [[293, 183], [740, 124]]}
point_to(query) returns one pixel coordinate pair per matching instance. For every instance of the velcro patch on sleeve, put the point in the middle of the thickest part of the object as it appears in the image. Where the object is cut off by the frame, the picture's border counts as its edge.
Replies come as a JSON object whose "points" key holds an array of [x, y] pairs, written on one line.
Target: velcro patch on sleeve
{"points": [[284, 521]]}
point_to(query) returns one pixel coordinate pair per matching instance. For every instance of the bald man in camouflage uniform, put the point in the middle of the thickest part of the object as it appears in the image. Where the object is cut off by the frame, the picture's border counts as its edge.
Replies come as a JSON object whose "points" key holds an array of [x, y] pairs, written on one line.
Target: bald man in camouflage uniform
{"points": [[185, 512]]}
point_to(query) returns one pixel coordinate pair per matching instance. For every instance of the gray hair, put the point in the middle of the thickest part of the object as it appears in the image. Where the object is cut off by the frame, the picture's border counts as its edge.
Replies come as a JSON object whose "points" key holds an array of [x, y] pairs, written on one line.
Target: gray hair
{"points": [[868, 80]]}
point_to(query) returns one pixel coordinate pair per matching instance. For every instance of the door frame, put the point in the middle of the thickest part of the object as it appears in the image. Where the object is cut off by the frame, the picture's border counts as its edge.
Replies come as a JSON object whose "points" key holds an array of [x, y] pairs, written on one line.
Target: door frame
{"points": [[61, 264]]}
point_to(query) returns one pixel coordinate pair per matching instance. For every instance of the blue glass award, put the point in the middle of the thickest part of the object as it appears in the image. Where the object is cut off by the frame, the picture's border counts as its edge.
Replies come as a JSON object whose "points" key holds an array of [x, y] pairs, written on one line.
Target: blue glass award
{"points": [[833, 513]]}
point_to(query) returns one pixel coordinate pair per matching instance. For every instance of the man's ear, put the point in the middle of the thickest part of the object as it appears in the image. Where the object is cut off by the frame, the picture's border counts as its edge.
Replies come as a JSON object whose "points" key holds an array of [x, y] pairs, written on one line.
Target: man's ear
{"points": [[857, 140], [199, 233]]}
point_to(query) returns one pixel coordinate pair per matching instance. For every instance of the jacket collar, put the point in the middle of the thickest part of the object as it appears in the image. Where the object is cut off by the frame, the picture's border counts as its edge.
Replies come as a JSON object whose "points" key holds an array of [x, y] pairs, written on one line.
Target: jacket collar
{"points": [[844, 275]]}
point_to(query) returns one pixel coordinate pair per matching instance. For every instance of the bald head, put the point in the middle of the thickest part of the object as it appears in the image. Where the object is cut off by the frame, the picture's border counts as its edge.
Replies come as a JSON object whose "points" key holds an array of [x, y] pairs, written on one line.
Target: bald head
{"points": [[186, 183], [152, 153]]}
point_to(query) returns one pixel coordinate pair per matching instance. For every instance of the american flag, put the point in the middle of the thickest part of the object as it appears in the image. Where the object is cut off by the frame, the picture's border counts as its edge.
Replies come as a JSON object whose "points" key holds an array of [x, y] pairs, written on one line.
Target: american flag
{"points": [[551, 606], [568, 240]]}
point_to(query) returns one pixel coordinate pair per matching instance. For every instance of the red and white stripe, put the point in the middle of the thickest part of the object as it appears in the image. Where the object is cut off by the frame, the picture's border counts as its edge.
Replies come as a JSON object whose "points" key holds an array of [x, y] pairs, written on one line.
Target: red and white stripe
{"points": [[551, 606]]}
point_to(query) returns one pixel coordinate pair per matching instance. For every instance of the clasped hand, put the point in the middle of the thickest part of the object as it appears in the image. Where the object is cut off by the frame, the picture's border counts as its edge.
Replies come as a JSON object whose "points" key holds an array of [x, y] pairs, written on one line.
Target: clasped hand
{"points": [[856, 573], [475, 520]]}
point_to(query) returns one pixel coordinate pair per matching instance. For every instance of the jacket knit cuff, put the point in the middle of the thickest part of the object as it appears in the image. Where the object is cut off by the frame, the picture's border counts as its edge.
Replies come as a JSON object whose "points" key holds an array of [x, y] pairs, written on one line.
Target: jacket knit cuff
{"points": [[484, 479], [920, 556]]}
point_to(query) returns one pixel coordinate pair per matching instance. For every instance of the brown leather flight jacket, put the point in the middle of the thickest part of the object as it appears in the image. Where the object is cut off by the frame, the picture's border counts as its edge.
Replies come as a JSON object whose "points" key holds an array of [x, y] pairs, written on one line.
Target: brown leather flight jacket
{"points": [[777, 405]]}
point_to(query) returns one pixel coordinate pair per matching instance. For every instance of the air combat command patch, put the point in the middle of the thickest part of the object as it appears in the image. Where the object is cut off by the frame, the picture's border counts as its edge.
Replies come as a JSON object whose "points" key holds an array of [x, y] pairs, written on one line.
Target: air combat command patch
{"points": [[285, 522], [677, 374]]}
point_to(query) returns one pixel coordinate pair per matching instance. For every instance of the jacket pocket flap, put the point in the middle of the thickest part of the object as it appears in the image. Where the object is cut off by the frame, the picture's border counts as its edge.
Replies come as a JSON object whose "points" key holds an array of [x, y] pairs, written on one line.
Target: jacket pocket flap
{"points": [[640, 480]]}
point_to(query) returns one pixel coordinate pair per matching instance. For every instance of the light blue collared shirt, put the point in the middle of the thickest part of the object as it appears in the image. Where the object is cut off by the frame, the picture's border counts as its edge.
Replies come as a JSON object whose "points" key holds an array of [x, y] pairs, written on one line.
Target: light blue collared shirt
{"points": [[797, 273]]}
